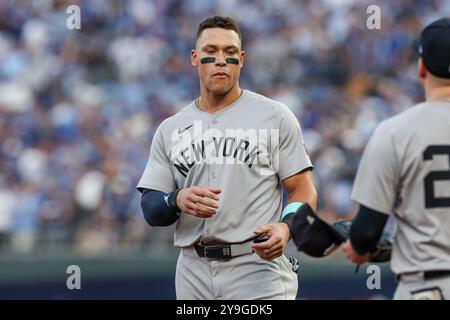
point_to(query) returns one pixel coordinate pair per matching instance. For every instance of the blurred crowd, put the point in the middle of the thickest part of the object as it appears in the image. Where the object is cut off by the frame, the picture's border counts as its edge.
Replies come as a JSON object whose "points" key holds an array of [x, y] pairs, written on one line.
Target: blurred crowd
{"points": [[78, 108]]}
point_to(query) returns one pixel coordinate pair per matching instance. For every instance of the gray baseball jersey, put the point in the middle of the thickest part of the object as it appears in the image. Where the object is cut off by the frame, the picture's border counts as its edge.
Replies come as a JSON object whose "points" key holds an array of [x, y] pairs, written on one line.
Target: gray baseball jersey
{"points": [[245, 149], [405, 169]]}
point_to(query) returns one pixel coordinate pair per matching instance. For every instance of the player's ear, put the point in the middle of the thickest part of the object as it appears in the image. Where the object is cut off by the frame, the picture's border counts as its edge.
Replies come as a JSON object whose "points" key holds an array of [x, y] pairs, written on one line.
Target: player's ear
{"points": [[241, 58], [194, 58], [422, 71]]}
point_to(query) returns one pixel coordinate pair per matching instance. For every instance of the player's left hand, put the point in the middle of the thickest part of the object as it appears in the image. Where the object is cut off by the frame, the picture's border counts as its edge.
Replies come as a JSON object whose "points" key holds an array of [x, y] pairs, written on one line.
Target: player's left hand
{"points": [[352, 255], [278, 234]]}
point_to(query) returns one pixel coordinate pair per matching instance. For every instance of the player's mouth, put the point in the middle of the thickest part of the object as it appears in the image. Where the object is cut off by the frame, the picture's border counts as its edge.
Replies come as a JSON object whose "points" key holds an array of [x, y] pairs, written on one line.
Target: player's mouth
{"points": [[220, 75]]}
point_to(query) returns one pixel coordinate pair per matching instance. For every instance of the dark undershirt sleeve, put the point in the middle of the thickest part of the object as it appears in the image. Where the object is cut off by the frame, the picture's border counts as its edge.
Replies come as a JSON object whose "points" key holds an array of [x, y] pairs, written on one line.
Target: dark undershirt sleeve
{"points": [[366, 229], [158, 212]]}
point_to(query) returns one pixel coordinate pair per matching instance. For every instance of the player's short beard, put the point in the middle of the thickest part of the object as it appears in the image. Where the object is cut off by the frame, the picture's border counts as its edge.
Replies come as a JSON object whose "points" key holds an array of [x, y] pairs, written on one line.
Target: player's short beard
{"points": [[221, 90]]}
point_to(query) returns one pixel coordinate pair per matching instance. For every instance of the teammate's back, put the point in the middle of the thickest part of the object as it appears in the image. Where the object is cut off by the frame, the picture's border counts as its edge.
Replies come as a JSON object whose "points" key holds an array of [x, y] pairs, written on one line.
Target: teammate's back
{"points": [[420, 139]]}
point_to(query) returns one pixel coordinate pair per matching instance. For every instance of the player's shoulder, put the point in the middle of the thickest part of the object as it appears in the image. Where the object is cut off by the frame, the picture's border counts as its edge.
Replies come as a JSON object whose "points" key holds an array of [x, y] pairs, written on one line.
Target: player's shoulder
{"points": [[405, 120], [265, 103]]}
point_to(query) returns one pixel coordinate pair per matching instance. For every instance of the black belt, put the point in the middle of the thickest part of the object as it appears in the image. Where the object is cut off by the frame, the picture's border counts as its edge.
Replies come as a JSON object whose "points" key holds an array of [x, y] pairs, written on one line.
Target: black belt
{"points": [[433, 274], [227, 250], [429, 275], [221, 251]]}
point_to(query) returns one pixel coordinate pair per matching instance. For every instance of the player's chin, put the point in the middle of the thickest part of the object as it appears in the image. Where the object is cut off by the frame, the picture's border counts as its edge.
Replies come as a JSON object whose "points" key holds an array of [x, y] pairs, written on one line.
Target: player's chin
{"points": [[220, 88]]}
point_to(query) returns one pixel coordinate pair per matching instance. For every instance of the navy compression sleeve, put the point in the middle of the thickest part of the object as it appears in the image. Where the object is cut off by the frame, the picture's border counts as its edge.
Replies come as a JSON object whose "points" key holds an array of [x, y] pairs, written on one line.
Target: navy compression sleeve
{"points": [[366, 229], [158, 207]]}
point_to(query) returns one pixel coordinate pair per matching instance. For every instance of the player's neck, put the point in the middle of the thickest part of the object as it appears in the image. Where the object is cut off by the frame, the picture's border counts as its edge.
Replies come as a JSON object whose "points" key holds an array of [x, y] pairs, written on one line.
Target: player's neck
{"points": [[437, 89], [438, 94], [211, 103]]}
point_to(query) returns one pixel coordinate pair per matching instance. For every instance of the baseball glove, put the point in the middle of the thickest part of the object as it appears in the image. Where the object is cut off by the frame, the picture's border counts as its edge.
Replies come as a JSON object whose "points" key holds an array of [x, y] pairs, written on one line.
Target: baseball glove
{"points": [[381, 253]]}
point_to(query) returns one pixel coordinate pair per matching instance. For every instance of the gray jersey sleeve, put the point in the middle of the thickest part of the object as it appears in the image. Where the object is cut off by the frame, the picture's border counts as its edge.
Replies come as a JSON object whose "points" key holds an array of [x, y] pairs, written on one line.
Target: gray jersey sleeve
{"points": [[377, 178], [292, 153], [157, 174]]}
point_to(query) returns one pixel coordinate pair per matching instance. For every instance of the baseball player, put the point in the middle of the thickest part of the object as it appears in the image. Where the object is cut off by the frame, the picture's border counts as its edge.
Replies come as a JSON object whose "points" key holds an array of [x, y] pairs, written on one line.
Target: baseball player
{"points": [[405, 169], [216, 169]]}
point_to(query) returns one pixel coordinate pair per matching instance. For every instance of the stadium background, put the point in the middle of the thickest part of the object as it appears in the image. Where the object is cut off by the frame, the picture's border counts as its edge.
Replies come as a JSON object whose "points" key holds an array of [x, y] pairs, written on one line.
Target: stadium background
{"points": [[78, 109]]}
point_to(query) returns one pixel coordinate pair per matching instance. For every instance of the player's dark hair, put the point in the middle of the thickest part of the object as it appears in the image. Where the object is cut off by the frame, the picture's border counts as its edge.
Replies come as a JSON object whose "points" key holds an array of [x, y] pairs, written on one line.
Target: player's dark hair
{"points": [[219, 22]]}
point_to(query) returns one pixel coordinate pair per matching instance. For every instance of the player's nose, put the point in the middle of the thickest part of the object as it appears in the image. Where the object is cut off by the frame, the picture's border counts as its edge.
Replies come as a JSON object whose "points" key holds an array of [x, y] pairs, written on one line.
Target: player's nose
{"points": [[220, 60]]}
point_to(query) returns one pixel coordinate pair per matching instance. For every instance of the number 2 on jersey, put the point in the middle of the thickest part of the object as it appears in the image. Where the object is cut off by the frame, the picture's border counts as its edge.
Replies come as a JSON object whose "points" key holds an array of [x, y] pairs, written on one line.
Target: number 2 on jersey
{"points": [[430, 200]]}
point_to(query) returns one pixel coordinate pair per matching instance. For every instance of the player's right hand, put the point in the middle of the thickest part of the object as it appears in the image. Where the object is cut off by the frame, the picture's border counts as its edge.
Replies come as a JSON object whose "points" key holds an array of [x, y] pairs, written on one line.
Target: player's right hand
{"points": [[352, 255], [198, 201]]}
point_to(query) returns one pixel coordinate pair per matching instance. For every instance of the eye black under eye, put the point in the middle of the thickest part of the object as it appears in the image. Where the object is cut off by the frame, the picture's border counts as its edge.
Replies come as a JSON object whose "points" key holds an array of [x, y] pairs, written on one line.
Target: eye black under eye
{"points": [[208, 60]]}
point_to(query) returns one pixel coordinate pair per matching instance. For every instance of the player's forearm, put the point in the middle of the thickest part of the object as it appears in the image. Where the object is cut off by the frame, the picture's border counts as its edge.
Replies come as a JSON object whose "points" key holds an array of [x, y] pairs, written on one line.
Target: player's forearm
{"points": [[300, 188], [157, 211], [304, 195], [295, 201], [366, 229]]}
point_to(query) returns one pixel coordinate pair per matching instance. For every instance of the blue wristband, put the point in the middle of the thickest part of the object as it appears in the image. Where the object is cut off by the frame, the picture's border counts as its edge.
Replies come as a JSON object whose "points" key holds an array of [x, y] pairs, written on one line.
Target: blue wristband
{"points": [[290, 208]]}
